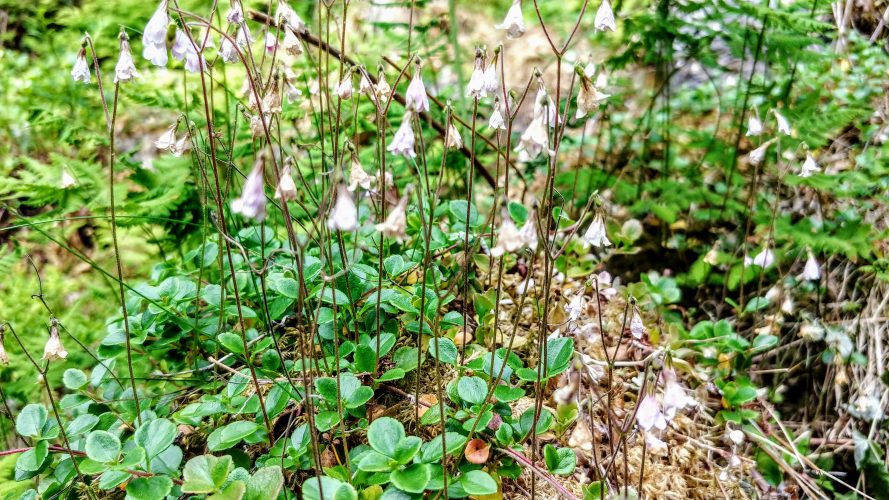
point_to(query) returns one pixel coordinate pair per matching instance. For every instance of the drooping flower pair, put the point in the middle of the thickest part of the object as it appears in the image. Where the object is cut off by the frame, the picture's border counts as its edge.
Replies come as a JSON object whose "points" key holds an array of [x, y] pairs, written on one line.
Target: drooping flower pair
{"points": [[483, 82], [168, 142]]}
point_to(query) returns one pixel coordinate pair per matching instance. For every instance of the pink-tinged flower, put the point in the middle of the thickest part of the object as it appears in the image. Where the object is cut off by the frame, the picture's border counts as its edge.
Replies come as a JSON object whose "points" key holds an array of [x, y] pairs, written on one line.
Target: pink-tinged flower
{"points": [[514, 22], [252, 202], [67, 180], [53, 350], [395, 224], [783, 124], [125, 70], [812, 270], [649, 415], [358, 177], [288, 16], [81, 70], [167, 140], [344, 216], [243, 38], [509, 238], [415, 98], [675, 396], [605, 17], [754, 127], [286, 189], [291, 42], [181, 45], [228, 52], [344, 89], [194, 62], [637, 327], [403, 141], [235, 14], [271, 41], [809, 167], [596, 235], [476, 86], [154, 37]]}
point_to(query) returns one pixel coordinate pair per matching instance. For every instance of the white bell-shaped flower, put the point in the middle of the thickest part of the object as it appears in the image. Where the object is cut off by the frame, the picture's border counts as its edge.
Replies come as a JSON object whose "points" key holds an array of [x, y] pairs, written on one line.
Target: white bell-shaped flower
{"points": [[415, 97], [454, 139], [235, 15], [576, 306], [809, 167], [754, 127], [490, 80], [756, 156], [764, 259], [154, 37], [514, 22], [344, 89], [291, 43], [528, 232], [403, 141], [637, 327], [812, 270], [286, 189], [496, 120], [54, 350], [783, 124], [509, 238], [67, 180], [125, 70], [605, 17], [344, 216], [358, 177], [81, 70], [649, 415], [228, 52], [395, 224], [285, 14], [475, 89], [167, 140], [589, 98], [596, 234]]}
